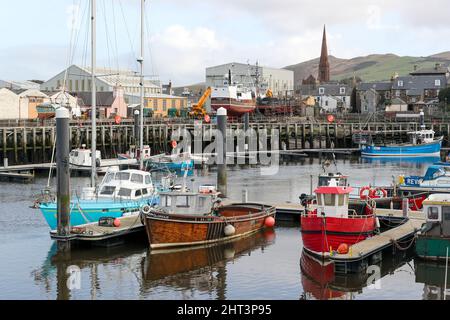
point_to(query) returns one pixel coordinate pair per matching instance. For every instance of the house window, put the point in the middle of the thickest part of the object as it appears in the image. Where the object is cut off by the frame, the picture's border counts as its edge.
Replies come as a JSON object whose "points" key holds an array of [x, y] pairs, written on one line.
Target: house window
{"points": [[400, 83], [342, 90], [321, 90], [155, 103], [164, 105], [326, 103], [437, 82]]}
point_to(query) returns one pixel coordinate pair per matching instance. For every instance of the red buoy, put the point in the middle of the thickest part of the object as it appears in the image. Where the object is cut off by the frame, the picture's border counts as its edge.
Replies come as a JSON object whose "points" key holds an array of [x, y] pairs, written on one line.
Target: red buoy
{"points": [[174, 144], [117, 119], [116, 223], [269, 222], [207, 118], [330, 118], [343, 248]]}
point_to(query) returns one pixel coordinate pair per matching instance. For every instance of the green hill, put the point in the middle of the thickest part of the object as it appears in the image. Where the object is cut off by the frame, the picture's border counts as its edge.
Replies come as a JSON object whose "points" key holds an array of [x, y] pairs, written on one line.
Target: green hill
{"points": [[375, 67]]}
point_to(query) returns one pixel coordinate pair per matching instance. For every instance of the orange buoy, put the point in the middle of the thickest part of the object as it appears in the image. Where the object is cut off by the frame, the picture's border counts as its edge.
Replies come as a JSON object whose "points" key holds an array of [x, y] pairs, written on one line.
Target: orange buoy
{"points": [[117, 119], [330, 118], [173, 144], [269, 222], [343, 248], [207, 118], [116, 223]]}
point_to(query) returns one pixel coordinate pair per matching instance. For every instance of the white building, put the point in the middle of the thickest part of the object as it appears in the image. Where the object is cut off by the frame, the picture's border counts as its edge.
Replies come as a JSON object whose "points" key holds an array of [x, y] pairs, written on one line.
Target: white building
{"points": [[66, 100], [279, 81], [79, 80], [20, 104]]}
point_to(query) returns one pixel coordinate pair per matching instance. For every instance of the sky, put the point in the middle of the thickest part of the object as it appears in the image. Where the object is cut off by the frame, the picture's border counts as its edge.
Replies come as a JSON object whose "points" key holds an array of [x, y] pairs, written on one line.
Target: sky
{"points": [[182, 38]]}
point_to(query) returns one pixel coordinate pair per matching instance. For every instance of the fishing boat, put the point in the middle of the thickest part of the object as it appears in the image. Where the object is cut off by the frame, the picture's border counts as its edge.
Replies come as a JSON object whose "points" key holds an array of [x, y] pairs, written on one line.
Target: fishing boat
{"points": [[132, 153], [193, 218], [236, 99], [330, 222], [179, 163], [81, 158], [121, 193], [422, 144], [433, 240]]}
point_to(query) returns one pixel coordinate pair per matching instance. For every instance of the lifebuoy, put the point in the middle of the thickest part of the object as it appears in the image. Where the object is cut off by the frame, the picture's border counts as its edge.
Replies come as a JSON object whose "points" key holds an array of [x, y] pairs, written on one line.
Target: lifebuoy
{"points": [[375, 193], [363, 196], [146, 209]]}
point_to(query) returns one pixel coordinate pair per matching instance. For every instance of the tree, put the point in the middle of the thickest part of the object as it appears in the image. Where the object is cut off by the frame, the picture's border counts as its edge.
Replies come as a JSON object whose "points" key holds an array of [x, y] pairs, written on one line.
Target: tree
{"points": [[444, 95]]}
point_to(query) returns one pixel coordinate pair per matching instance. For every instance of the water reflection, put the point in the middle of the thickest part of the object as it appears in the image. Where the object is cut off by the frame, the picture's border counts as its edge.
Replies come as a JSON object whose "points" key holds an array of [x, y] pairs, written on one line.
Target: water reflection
{"points": [[432, 275], [320, 282], [412, 162], [201, 269]]}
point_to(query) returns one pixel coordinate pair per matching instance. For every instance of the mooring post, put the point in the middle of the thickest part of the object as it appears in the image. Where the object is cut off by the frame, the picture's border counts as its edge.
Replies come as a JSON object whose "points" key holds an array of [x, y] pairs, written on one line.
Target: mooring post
{"points": [[63, 174], [222, 156], [405, 207]]}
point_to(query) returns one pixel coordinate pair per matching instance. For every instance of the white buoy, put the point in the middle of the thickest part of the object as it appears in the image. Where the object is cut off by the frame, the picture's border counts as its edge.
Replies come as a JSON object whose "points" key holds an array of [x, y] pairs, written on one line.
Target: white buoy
{"points": [[229, 230]]}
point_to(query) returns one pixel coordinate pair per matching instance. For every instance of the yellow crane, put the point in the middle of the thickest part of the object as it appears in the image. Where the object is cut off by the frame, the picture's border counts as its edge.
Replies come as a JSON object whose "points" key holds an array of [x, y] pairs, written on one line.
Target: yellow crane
{"points": [[198, 109]]}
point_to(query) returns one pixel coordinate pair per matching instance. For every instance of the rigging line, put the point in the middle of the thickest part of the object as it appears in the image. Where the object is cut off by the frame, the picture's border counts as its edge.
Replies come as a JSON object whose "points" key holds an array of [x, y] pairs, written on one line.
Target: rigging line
{"points": [[147, 22], [86, 41], [78, 31], [107, 37], [128, 31], [69, 52], [115, 34]]}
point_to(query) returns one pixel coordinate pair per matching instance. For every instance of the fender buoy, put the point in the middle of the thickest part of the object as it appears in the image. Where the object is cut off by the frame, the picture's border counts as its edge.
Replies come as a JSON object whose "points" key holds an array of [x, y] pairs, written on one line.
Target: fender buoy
{"points": [[229, 230], [146, 209], [116, 223], [207, 118], [342, 248], [330, 118], [173, 143], [117, 119], [375, 193], [364, 196], [269, 222]]}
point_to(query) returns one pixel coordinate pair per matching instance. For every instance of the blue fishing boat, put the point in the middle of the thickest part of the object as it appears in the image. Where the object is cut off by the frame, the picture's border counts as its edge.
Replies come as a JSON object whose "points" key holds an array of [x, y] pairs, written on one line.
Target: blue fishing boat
{"points": [[121, 193], [175, 163], [430, 148]]}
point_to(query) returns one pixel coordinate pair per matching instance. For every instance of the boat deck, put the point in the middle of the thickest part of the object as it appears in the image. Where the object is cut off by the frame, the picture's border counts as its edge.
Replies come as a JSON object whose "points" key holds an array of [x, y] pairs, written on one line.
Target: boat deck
{"points": [[94, 232]]}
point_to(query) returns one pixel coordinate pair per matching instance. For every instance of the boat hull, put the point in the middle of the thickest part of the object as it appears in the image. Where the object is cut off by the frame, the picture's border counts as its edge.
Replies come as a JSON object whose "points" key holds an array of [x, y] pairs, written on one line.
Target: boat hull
{"points": [[166, 230], [234, 108], [432, 247], [321, 235], [88, 211], [422, 150]]}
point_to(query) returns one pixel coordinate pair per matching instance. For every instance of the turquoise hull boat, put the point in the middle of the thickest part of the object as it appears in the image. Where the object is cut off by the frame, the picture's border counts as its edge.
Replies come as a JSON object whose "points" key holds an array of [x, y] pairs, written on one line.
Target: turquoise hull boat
{"points": [[87, 211]]}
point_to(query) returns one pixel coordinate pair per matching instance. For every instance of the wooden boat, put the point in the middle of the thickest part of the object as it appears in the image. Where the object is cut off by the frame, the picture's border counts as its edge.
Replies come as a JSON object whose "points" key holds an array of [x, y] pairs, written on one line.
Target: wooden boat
{"points": [[192, 218]]}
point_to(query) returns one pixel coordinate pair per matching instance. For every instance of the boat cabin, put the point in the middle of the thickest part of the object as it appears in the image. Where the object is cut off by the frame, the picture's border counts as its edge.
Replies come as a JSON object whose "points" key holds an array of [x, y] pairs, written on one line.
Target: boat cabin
{"points": [[332, 200], [421, 137], [82, 157], [177, 202], [132, 153], [126, 184], [324, 179], [437, 211]]}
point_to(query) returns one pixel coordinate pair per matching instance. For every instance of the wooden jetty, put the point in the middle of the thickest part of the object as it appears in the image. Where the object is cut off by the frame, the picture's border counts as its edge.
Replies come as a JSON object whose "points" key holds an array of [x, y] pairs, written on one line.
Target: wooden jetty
{"points": [[21, 175]]}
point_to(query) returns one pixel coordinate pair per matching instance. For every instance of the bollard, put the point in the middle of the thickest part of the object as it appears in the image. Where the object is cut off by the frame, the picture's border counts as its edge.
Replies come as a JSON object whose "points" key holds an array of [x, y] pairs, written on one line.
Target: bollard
{"points": [[405, 207], [63, 173], [222, 156]]}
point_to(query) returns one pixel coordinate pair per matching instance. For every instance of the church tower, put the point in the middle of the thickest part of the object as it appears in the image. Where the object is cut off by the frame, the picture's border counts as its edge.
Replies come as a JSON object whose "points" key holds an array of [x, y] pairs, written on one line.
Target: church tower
{"points": [[324, 65]]}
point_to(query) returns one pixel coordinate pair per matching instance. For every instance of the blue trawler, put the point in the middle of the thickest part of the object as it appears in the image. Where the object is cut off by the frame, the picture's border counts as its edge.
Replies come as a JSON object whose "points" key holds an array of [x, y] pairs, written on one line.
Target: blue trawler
{"points": [[121, 193]]}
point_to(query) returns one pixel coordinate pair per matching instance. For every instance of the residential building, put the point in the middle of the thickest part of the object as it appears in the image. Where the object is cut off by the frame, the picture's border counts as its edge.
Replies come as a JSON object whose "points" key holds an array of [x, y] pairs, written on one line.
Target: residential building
{"points": [[160, 105], [396, 105], [279, 81], [78, 79], [412, 89], [331, 97], [369, 100], [381, 88], [108, 104]]}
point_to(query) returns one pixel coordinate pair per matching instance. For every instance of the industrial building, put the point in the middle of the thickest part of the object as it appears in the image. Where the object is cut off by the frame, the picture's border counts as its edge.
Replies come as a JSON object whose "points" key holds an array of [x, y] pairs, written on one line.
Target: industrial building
{"points": [[78, 79], [279, 81]]}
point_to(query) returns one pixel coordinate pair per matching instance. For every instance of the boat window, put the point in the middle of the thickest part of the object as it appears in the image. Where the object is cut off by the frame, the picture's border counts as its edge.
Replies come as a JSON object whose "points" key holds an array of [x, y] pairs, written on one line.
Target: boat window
{"points": [[182, 201], [138, 193], [108, 190], [124, 192], [445, 213], [341, 199], [148, 180], [122, 176], [137, 178], [433, 213], [319, 199], [109, 177], [329, 199]]}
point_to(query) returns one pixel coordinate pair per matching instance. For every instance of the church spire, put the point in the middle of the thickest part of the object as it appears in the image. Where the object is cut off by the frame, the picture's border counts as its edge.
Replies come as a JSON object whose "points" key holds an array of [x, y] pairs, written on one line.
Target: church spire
{"points": [[324, 65]]}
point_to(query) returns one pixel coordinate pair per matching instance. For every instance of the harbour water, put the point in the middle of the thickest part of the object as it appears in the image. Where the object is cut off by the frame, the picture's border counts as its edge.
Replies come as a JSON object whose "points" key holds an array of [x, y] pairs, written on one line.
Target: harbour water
{"points": [[263, 266]]}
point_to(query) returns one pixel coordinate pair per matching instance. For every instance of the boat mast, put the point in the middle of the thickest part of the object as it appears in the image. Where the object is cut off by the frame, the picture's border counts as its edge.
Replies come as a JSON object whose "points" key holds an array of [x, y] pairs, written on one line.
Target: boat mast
{"points": [[141, 62], [94, 95]]}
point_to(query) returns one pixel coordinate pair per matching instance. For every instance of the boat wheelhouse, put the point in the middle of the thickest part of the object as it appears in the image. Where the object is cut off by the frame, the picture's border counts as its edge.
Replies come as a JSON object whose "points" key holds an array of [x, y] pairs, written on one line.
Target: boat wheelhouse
{"points": [[330, 222], [81, 158], [433, 241], [134, 153]]}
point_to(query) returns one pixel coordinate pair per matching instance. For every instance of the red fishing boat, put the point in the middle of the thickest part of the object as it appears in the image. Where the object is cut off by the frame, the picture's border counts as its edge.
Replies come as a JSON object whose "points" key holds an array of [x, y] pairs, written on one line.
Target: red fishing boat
{"points": [[330, 225]]}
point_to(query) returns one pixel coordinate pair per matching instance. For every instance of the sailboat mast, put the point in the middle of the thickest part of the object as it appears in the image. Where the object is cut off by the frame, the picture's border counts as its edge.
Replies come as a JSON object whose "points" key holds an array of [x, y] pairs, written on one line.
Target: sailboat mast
{"points": [[141, 61], [94, 95]]}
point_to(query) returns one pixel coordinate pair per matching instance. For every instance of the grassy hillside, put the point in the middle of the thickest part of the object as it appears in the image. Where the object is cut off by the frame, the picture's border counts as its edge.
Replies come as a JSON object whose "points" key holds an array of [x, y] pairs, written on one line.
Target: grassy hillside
{"points": [[369, 68]]}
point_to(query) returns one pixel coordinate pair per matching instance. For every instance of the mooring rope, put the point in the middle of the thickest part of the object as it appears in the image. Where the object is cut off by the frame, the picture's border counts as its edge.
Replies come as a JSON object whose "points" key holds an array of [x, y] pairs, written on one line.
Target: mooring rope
{"points": [[396, 243]]}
